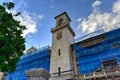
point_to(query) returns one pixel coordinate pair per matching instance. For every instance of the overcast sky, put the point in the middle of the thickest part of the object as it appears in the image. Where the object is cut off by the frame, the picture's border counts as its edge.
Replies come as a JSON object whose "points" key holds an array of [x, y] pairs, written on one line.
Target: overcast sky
{"points": [[87, 16]]}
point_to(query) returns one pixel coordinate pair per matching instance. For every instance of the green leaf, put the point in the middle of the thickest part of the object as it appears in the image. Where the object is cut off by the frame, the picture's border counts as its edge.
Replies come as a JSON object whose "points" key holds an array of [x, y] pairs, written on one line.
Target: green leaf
{"points": [[2, 9], [12, 43], [17, 14], [1, 36], [9, 5]]}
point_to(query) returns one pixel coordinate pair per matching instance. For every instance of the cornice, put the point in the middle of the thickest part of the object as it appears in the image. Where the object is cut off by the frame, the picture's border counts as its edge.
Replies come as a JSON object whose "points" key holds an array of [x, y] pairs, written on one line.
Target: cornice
{"points": [[61, 27]]}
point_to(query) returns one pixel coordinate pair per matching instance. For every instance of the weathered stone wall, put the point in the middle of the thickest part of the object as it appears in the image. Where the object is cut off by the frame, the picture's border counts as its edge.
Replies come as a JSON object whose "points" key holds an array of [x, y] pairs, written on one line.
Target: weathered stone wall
{"points": [[37, 74], [61, 61]]}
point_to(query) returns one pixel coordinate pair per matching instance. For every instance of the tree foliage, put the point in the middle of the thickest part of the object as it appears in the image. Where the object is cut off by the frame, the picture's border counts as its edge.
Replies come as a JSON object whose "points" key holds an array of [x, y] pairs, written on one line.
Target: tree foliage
{"points": [[11, 41]]}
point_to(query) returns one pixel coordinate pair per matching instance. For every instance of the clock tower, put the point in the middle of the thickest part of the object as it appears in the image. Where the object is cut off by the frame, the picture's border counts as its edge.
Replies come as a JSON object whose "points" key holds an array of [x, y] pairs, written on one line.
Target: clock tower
{"points": [[61, 62]]}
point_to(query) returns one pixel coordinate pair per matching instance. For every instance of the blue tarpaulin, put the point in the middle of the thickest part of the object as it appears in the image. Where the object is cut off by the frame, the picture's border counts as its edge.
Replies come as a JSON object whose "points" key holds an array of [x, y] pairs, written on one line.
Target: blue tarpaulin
{"points": [[90, 58], [37, 59]]}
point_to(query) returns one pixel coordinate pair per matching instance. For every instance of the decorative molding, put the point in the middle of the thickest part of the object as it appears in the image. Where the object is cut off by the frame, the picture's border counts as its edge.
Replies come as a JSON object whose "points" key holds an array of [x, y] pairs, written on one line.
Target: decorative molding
{"points": [[63, 26]]}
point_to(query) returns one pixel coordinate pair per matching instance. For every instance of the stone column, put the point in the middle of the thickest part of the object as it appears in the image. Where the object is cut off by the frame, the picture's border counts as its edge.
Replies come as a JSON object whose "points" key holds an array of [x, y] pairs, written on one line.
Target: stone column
{"points": [[3, 75], [37, 74]]}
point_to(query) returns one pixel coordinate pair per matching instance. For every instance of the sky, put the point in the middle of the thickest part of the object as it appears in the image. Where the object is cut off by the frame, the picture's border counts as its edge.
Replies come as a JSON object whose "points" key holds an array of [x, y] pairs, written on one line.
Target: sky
{"points": [[87, 16]]}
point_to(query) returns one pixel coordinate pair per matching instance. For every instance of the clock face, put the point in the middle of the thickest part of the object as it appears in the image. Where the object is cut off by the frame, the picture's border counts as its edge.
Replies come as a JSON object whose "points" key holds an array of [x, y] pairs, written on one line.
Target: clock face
{"points": [[59, 35]]}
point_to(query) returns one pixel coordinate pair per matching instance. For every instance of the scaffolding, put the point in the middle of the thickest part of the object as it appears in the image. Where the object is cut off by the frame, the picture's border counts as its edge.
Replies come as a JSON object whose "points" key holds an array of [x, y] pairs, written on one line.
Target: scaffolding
{"points": [[109, 70], [35, 59], [95, 53]]}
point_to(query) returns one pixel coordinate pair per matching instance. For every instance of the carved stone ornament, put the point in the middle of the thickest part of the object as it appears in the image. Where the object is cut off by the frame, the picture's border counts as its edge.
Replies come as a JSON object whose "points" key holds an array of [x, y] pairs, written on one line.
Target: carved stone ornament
{"points": [[59, 35]]}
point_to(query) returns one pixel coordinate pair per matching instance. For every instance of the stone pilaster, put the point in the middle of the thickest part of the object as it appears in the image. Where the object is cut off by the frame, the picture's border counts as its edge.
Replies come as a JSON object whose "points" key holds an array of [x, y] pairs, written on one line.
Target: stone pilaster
{"points": [[37, 74]]}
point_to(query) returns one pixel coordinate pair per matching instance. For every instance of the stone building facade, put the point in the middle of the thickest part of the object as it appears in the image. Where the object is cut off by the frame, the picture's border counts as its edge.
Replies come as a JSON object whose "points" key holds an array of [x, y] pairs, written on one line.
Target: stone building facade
{"points": [[61, 66], [90, 58]]}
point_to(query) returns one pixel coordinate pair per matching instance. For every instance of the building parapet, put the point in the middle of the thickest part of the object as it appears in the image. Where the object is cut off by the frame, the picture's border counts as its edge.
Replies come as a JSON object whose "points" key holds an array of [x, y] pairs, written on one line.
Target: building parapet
{"points": [[106, 73]]}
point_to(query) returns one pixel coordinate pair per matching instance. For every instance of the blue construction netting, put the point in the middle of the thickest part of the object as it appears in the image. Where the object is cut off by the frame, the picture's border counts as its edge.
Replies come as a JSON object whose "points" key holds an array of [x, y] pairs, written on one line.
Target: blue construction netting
{"points": [[90, 58], [35, 59], [89, 35]]}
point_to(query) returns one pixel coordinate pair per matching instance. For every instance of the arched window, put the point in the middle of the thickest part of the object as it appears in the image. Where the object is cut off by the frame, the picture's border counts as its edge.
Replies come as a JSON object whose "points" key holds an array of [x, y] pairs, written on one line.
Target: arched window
{"points": [[60, 21]]}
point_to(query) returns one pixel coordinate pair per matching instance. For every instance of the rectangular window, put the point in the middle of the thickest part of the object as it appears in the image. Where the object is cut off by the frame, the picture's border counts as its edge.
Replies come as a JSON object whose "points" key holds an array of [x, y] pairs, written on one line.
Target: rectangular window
{"points": [[59, 52], [59, 74]]}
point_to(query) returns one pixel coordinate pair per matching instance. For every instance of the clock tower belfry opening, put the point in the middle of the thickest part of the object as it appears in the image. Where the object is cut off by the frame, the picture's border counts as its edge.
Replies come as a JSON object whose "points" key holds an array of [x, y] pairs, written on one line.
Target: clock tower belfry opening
{"points": [[61, 66]]}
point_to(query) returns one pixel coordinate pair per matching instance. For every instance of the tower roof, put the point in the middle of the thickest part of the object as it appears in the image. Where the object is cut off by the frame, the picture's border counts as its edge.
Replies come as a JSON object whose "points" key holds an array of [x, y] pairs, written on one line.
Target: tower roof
{"points": [[62, 14]]}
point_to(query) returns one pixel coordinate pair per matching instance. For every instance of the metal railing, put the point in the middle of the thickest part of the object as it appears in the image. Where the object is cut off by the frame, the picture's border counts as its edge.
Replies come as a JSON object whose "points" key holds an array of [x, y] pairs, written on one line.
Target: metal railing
{"points": [[109, 73]]}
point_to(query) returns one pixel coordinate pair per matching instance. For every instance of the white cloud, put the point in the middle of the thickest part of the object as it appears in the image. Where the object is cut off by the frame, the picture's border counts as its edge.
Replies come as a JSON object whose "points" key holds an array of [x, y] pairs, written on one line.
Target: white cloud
{"points": [[36, 16], [97, 20], [40, 16], [96, 3], [28, 19], [22, 5], [80, 19], [31, 24], [116, 7]]}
